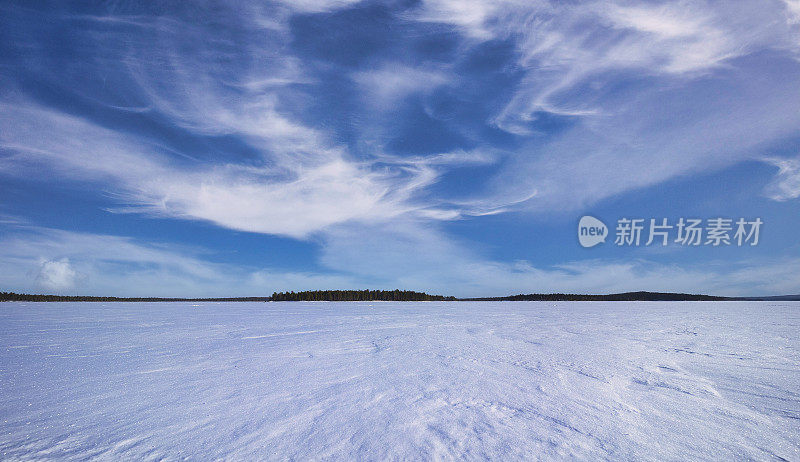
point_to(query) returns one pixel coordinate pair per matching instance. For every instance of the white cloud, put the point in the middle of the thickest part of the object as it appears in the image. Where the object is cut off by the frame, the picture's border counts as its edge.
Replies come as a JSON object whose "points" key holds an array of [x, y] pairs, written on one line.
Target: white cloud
{"points": [[570, 47], [56, 275], [666, 20], [786, 184], [292, 199], [317, 6], [393, 82], [676, 37], [574, 54], [563, 45], [662, 133], [300, 181], [471, 16], [303, 181], [793, 10]]}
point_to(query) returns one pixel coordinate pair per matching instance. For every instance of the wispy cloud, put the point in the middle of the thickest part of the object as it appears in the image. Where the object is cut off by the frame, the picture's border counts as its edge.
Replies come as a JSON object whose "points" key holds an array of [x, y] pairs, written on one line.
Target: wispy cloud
{"points": [[299, 179], [670, 121], [667, 133], [786, 184], [793, 10], [244, 83], [293, 200], [566, 47], [393, 82]]}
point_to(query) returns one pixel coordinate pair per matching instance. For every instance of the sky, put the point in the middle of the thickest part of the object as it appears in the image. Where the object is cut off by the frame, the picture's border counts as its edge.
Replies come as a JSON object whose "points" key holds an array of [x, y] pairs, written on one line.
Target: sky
{"points": [[240, 148]]}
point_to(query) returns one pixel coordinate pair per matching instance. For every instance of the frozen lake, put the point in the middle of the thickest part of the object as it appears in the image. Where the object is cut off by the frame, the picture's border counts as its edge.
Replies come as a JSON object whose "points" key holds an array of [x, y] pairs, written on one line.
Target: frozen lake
{"points": [[380, 380]]}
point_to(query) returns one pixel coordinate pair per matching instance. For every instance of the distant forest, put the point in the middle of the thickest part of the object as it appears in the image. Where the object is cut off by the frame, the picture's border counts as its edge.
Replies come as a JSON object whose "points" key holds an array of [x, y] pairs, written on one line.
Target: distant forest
{"points": [[14, 297], [396, 296], [357, 295], [305, 296]]}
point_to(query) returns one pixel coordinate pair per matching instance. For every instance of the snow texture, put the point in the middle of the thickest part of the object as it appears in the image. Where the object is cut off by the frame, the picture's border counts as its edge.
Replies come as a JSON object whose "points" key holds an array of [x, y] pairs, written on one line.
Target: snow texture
{"points": [[369, 381]]}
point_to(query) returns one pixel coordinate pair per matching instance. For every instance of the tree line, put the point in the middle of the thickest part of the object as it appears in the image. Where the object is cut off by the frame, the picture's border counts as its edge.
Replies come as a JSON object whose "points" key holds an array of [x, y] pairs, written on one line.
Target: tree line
{"points": [[306, 296], [15, 297], [389, 295], [356, 295]]}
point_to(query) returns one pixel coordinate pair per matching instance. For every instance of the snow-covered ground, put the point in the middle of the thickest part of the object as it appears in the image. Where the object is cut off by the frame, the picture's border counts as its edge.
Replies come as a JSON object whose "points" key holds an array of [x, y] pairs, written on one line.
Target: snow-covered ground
{"points": [[506, 380]]}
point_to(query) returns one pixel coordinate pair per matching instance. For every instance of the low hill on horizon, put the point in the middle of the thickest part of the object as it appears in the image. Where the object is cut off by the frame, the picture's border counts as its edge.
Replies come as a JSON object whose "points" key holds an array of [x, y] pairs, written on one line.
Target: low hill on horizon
{"points": [[618, 297]]}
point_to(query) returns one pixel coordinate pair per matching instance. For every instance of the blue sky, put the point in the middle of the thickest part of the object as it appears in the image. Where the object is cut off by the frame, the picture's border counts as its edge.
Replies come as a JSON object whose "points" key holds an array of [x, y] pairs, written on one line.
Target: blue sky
{"points": [[241, 148]]}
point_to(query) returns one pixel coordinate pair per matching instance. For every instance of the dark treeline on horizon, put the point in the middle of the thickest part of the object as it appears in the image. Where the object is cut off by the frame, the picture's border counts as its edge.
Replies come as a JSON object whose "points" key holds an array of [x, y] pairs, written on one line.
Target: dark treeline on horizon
{"points": [[396, 296], [307, 296], [356, 295], [15, 297]]}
